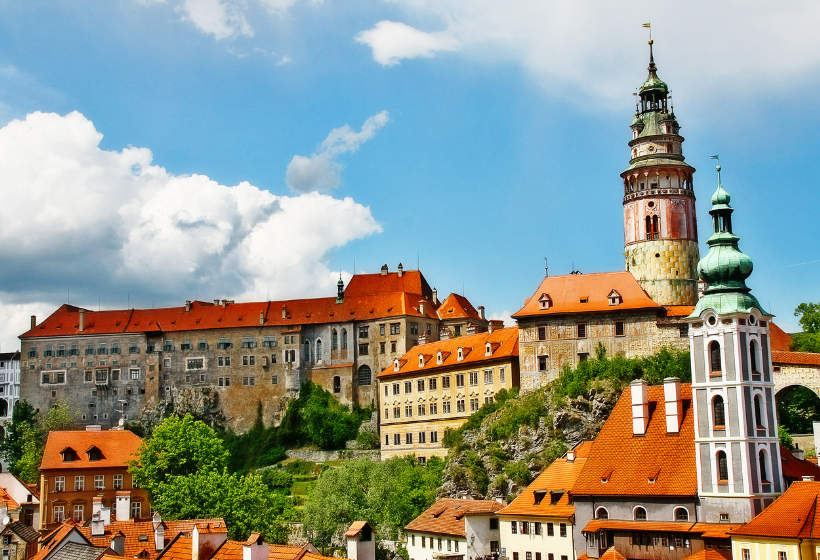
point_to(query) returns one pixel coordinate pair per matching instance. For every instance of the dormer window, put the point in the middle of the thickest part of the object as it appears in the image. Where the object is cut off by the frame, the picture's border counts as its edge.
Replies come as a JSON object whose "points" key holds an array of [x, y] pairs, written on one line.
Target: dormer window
{"points": [[68, 455], [615, 298], [544, 301], [585, 299], [396, 365], [460, 354], [438, 357], [94, 453], [488, 349], [539, 495], [421, 360]]}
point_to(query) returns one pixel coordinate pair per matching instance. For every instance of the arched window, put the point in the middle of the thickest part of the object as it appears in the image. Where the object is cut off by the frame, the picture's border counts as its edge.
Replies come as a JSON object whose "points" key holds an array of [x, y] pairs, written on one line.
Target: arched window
{"points": [[640, 514], [718, 412], [681, 514], [334, 340], [365, 376], [337, 384], [753, 355], [764, 477], [307, 350], [758, 412], [722, 466], [714, 357], [601, 513], [318, 349], [344, 339]]}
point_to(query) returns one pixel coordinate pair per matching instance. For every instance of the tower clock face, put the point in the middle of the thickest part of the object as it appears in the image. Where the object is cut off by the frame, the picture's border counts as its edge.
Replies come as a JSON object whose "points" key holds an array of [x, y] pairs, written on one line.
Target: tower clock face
{"points": [[651, 148]]}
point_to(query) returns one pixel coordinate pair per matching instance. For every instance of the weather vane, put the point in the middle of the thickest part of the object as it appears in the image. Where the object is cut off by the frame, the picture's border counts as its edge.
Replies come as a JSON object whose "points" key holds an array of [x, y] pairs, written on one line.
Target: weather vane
{"points": [[649, 26]]}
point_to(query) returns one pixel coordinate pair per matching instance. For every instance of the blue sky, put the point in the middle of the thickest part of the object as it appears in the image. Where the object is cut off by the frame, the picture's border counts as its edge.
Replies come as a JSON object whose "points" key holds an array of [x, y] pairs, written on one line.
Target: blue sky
{"points": [[180, 144]]}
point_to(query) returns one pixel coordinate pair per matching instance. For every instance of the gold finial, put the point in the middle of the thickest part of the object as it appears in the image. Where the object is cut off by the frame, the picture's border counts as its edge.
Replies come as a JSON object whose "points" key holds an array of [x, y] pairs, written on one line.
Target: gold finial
{"points": [[651, 42]]}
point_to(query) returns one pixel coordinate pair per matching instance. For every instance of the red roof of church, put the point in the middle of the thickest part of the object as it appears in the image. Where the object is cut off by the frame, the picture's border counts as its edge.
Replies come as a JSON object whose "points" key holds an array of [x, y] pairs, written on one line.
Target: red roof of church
{"points": [[628, 462], [567, 294], [457, 307], [794, 515]]}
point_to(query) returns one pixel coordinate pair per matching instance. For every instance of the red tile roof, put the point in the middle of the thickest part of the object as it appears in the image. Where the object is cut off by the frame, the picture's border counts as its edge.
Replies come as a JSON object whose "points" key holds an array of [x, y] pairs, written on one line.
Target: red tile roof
{"points": [[446, 516], [706, 554], [796, 358], [796, 469], [612, 554], [504, 345], [49, 542], [139, 535], [117, 447], [355, 528], [714, 530], [567, 292], [458, 307], [794, 515], [627, 462], [678, 310], [411, 281], [180, 549], [560, 476], [779, 339]]}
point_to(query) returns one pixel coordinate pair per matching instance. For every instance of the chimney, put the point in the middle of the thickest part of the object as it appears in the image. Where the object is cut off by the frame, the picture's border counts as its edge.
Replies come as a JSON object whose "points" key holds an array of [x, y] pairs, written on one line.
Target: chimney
{"points": [[117, 543], [97, 521], [481, 313], [808, 477], [470, 329], [224, 303], [797, 452], [187, 306], [206, 539], [444, 334], [123, 505], [401, 270], [571, 456], [82, 320], [93, 428], [435, 297], [255, 548], [496, 324], [4, 513], [384, 270], [33, 321], [159, 531], [216, 302], [261, 318], [284, 312], [422, 338], [674, 405], [640, 407], [421, 307]]}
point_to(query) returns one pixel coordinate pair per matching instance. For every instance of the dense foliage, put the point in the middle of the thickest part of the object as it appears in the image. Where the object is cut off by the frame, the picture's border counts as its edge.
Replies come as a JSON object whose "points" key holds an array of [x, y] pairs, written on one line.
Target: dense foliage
{"points": [[34, 436], [797, 408], [22, 418], [809, 339], [388, 494]]}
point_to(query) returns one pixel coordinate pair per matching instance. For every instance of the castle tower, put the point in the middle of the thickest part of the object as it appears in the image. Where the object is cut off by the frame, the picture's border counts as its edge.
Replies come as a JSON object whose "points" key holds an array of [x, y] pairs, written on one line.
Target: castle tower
{"points": [[660, 230], [736, 441]]}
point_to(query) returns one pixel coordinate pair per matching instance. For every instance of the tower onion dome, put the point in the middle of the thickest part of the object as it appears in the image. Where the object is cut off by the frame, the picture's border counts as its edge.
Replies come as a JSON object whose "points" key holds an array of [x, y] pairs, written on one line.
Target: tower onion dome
{"points": [[725, 268], [653, 83]]}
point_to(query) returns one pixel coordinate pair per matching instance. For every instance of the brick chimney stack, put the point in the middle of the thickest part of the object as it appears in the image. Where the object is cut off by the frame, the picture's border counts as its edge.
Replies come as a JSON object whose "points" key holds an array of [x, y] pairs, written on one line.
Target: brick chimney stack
{"points": [[82, 320], [640, 407], [674, 404]]}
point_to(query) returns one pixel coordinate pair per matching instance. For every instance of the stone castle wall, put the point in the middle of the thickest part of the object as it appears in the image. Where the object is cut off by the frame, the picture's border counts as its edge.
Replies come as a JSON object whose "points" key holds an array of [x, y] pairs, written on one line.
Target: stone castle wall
{"points": [[666, 269]]}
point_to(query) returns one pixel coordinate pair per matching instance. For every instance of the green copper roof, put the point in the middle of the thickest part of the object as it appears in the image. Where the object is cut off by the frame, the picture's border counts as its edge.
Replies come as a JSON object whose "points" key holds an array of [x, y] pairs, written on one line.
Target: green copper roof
{"points": [[725, 268], [653, 82]]}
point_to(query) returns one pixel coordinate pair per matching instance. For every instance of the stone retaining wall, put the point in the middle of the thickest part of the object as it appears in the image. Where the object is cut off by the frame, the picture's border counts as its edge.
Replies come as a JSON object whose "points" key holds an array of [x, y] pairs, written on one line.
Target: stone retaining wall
{"points": [[319, 456]]}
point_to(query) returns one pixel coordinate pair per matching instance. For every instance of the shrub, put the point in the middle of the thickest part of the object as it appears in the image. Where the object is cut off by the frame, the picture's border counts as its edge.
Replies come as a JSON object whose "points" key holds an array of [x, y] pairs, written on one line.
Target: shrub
{"points": [[518, 473]]}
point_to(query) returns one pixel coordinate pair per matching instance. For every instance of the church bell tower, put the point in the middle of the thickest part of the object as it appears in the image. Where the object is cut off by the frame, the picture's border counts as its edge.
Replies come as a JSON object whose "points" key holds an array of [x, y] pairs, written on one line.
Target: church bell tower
{"points": [[660, 230]]}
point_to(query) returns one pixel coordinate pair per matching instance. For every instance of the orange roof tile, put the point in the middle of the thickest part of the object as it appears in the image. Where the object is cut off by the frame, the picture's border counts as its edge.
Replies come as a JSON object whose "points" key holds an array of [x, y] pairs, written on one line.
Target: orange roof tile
{"points": [[446, 516], [706, 554], [560, 476], [794, 515], [612, 554], [654, 526], [779, 339], [714, 530], [139, 535], [457, 307], [49, 542], [11, 504], [628, 462], [678, 310], [116, 446], [180, 549], [65, 321], [476, 343], [287, 552], [796, 469], [411, 281], [355, 528], [796, 358], [567, 292]]}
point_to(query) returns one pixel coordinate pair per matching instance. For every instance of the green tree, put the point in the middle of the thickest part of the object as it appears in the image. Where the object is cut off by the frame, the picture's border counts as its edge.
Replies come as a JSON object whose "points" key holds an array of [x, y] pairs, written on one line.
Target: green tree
{"points": [[177, 447], [797, 408], [805, 342], [785, 437], [245, 503], [809, 314], [59, 417], [11, 448]]}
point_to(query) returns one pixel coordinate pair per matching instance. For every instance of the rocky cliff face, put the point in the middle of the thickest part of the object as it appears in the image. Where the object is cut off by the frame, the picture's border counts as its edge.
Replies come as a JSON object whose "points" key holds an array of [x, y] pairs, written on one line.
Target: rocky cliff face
{"points": [[201, 402], [484, 466]]}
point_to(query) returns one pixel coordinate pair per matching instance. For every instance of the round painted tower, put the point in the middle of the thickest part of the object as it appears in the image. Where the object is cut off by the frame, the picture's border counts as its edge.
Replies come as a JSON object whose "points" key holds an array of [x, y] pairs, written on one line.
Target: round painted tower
{"points": [[660, 229]]}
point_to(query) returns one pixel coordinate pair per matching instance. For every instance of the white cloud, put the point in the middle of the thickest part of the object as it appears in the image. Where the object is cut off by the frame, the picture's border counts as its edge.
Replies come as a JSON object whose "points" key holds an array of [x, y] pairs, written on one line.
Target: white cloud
{"points": [[223, 19], [16, 320], [392, 41], [504, 316], [106, 222], [321, 171], [582, 48]]}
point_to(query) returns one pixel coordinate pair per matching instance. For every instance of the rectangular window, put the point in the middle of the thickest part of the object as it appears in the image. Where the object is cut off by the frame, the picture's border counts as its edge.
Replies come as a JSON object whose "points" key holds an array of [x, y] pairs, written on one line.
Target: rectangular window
{"points": [[248, 342], [381, 329], [414, 328], [363, 349], [133, 348], [420, 385], [537, 527], [423, 540], [563, 529], [422, 410], [79, 483], [396, 412], [433, 409], [473, 404], [542, 333], [59, 484], [396, 439], [619, 328], [135, 374], [395, 328], [460, 405], [445, 407], [433, 437], [422, 436], [445, 382], [249, 381], [99, 482], [488, 376], [393, 346], [363, 331], [550, 530], [396, 388], [582, 330], [528, 555], [459, 380], [408, 387], [186, 344], [782, 555], [117, 482], [195, 363], [431, 383], [514, 528], [473, 378], [408, 411], [59, 514], [115, 375], [136, 510], [274, 380], [488, 400], [89, 376], [224, 344], [382, 347]]}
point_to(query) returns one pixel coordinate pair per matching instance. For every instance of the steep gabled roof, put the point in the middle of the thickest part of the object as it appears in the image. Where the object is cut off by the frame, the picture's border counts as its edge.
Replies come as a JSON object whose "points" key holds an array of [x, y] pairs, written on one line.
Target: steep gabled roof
{"points": [[117, 446], [794, 515], [627, 462], [446, 516], [568, 292], [411, 281], [28, 534], [779, 339], [796, 469], [10, 356], [557, 480], [474, 352], [458, 307]]}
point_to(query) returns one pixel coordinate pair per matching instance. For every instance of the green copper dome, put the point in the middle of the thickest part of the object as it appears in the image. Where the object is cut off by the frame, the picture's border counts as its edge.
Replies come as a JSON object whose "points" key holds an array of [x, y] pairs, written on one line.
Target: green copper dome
{"points": [[653, 83], [725, 268]]}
